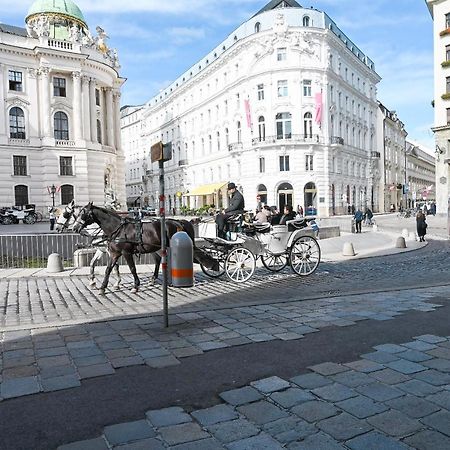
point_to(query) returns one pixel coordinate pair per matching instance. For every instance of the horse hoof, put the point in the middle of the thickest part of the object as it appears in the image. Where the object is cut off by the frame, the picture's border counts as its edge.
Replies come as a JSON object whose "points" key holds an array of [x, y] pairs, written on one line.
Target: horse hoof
{"points": [[116, 287], [94, 286], [92, 283], [101, 292], [134, 291]]}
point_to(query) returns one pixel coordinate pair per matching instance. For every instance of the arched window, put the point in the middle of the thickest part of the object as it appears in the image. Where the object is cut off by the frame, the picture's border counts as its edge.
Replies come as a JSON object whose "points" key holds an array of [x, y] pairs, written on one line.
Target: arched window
{"points": [[239, 132], [61, 123], [218, 141], [227, 137], [261, 128], [16, 123], [99, 131], [306, 21], [66, 194], [257, 27], [21, 195], [307, 124], [283, 125]]}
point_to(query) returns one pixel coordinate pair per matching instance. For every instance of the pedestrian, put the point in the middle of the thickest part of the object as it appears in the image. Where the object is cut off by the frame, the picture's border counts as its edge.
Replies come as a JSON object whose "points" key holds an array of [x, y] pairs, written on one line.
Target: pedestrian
{"points": [[421, 226], [368, 216], [425, 209], [52, 217], [358, 219], [300, 210]]}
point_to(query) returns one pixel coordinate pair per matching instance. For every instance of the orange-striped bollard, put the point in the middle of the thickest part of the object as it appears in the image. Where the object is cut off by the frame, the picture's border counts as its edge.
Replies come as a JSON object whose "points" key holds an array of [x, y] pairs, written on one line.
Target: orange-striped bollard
{"points": [[182, 260]]}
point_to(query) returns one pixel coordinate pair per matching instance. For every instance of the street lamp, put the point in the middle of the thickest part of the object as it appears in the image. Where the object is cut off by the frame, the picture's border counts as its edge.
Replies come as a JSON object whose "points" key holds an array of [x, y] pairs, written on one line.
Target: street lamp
{"points": [[141, 192], [53, 192]]}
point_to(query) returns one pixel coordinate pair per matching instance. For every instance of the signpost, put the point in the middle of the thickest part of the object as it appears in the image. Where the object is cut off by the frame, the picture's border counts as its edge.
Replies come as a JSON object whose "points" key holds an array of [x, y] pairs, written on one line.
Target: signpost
{"points": [[160, 153]]}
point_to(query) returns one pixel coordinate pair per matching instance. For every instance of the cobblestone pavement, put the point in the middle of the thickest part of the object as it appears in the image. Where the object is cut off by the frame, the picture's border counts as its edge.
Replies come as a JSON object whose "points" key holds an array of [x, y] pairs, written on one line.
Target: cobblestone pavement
{"points": [[396, 397], [50, 359], [31, 302]]}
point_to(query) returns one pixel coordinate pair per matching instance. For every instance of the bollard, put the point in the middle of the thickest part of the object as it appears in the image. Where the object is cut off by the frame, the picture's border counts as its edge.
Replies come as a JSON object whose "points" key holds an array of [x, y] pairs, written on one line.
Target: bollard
{"points": [[375, 227], [405, 233], [54, 263], [182, 260], [353, 226], [348, 249], [400, 243]]}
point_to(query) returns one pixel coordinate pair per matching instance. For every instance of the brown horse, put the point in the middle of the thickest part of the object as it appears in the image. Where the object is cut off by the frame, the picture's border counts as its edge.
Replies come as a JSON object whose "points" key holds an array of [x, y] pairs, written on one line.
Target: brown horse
{"points": [[128, 236]]}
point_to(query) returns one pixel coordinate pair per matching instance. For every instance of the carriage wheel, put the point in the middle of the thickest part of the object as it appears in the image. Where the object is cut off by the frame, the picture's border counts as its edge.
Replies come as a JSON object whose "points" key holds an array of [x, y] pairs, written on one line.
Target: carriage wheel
{"points": [[219, 256], [274, 263], [240, 265], [304, 255]]}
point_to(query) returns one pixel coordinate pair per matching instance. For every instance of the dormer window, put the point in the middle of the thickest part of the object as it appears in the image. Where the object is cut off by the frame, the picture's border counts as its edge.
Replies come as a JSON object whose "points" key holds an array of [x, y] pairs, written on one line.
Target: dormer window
{"points": [[306, 21], [257, 27], [447, 20]]}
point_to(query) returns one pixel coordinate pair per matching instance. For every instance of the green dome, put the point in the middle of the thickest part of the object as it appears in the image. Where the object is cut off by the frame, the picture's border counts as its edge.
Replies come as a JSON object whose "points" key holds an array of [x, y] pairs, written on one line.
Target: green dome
{"points": [[65, 8]]}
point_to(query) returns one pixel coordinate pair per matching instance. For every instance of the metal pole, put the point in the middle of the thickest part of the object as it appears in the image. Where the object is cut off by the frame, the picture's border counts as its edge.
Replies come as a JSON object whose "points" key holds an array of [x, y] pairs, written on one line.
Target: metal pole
{"points": [[404, 188], [162, 215]]}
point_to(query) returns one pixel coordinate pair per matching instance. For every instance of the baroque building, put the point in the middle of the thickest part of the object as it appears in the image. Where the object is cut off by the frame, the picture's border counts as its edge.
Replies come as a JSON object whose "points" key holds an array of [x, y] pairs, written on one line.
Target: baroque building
{"points": [[60, 120], [285, 107]]}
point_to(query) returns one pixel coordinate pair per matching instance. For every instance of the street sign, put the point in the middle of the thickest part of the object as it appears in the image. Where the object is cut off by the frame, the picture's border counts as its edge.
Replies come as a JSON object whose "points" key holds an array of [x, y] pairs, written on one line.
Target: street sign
{"points": [[161, 152]]}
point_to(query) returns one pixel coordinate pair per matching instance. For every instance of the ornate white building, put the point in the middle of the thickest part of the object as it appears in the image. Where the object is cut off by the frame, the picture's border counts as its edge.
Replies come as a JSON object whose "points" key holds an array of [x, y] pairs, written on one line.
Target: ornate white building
{"points": [[59, 121], [285, 107]]}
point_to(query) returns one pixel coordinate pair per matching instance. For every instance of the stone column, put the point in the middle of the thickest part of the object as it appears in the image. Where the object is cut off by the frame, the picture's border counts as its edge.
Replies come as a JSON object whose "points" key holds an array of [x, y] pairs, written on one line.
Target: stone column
{"points": [[116, 109], [109, 117], [45, 101], [76, 77], [93, 110], [3, 80], [86, 109]]}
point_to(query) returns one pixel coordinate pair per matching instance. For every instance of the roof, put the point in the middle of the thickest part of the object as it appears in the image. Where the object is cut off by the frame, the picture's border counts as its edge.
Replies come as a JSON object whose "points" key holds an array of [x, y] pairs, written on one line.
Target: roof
{"points": [[64, 7], [10, 29], [273, 4]]}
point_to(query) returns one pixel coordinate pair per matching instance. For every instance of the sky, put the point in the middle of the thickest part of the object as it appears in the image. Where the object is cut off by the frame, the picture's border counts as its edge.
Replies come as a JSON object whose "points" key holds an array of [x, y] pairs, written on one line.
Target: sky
{"points": [[158, 40]]}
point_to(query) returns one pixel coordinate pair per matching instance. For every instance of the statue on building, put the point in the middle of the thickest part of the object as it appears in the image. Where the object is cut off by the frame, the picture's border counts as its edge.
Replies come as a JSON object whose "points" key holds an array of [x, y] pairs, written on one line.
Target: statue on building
{"points": [[101, 39], [74, 33], [41, 26]]}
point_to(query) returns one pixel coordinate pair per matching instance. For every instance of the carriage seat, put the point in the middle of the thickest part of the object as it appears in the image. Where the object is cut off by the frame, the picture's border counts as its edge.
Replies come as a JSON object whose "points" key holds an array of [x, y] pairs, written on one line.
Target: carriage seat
{"points": [[296, 224], [262, 227]]}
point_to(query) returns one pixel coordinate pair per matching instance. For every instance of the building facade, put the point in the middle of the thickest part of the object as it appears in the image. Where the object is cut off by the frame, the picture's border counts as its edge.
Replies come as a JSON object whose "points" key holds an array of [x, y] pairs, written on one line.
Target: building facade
{"points": [[285, 107], [60, 124]]}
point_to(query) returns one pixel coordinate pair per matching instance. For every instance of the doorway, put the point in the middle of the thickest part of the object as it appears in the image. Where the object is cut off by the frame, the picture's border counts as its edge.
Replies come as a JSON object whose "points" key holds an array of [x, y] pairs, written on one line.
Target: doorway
{"points": [[285, 195]]}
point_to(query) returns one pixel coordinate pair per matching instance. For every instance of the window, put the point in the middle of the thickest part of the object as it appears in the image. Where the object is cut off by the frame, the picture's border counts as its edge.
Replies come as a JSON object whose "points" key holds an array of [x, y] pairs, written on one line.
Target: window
{"points": [[346, 74], [15, 81], [262, 165], [306, 21], [307, 88], [447, 84], [218, 141], [284, 163], [16, 124], [307, 125], [210, 144], [283, 125], [238, 101], [226, 107], [309, 163], [260, 91], [61, 123], [59, 87], [447, 21], [21, 195], [239, 132], [448, 116], [66, 194], [97, 97], [99, 131], [261, 128], [20, 165], [227, 137], [257, 27], [281, 54], [282, 88], [65, 166]]}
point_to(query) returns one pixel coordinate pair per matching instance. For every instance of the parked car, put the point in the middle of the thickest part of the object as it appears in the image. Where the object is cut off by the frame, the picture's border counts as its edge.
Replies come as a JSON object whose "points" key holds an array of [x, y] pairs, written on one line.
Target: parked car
{"points": [[149, 211]]}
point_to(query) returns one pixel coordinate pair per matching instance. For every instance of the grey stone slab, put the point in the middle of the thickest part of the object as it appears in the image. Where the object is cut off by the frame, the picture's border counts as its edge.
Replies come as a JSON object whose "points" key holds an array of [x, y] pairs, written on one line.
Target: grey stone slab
{"points": [[389, 376], [375, 441], [90, 360], [186, 352], [334, 392], [352, 378], [153, 353], [144, 444], [124, 433], [183, 433], [429, 440], [204, 444], [19, 372], [168, 416], [83, 352], [343, 426], [406, 367], [55, 351], [361, 407], [97, 370], [52, 361], [328, 368], [261, 442], [262, 412], [291, 397], [311, 380], [59, 383], [430, 338], [365, 366], [413, 406], [233, 430], [215, 414], [417, 387], [440, 421], [315, 410], [381, 357], [443, 365], [289, 429], [19, 387], [379, 391], [440, 352], [59, 371], [415, 356], [127, 361], [390, 348], [441, 399], [271, 384], [433, 377], [318, 441], [241, 396], [419, 346], [162, 361], [91, 444], [211, 345], [395, 423]]}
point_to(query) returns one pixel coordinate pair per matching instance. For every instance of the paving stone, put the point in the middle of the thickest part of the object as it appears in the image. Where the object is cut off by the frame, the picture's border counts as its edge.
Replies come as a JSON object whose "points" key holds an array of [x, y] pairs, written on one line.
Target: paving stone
{"points": [[289, 429], [412, 406], [440, 352], [395, 423], [429, 440], [90, 360], [59, 383], [52, 361], [57, 351], [430, 338], [241, 396], [419, 345], [352, 378], [406, 367], [361, 407], [443, 365], [379, 392], [328, 368], [91, 444], [390, 348], [211, 345], [315, 410], [18, 387], [417, 387], [262, 412], [441, 399], [204, 444], [381, 357], [144, 444], [440, 421], [97, 370], [59, 371], [215, 414], [433, 377], [19, 372], [163, 361], [334, 392], [365, 366], [128, 432], [311, 380], [127, 361], [272, 384], [343, 426], [415, 356], [154, 353], [168, 416], [183, 433], [261, 442], [318, 441], [291, 397], [233, 430], [375, 441], [186, 352], [389, 376]]}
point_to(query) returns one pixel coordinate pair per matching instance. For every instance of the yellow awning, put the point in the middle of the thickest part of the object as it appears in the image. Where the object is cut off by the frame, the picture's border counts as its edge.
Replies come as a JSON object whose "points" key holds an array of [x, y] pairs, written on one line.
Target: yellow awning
{"points": [[206, 189]]}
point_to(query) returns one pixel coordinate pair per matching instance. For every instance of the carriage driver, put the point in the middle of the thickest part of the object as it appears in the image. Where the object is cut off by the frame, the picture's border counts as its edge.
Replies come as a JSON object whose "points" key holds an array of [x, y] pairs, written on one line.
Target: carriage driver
{"points": [[236, 206]]}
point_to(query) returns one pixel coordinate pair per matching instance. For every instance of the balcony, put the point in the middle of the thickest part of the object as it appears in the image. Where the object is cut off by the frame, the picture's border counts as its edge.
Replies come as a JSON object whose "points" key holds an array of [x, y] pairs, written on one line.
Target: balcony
{"points": [[375, 155], [337, 140], [64, 143], [14, 141], [236, 146], [63, 45], [183, 162], [288, 138]]}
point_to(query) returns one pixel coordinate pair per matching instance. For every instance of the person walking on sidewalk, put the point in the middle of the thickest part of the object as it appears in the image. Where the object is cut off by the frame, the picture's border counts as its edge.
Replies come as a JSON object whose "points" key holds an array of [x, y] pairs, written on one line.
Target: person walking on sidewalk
{"points": [[52, 217], [421, 226], [358, 219]]}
